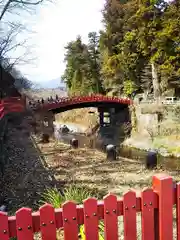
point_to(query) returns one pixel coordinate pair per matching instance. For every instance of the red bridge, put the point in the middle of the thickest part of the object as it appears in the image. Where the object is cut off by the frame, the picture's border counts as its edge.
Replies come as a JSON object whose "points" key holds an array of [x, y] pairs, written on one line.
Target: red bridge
{"points": [[64, 104]]}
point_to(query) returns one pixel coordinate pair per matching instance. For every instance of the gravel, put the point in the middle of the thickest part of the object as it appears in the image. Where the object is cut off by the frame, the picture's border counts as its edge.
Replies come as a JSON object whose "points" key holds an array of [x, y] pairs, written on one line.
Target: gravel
{"points": [[25, 176]]}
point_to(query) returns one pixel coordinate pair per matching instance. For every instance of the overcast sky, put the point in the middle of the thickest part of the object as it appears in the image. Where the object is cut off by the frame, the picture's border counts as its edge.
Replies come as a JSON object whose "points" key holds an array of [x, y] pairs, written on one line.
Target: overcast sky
{"points": [[55, 25]]}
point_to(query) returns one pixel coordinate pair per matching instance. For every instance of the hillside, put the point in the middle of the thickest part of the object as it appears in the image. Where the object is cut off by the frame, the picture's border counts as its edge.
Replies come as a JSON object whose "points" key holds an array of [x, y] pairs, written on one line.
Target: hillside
{"points": [[45, 93], [54, 83]]}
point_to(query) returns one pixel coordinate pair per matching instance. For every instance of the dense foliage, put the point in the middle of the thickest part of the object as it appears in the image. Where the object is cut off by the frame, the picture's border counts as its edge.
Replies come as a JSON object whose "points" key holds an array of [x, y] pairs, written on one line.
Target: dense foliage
{"points": [[138, 50], [82, 73]]}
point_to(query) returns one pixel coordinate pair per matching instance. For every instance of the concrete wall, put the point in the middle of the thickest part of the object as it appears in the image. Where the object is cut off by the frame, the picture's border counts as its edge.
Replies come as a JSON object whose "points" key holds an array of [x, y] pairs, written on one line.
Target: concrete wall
{"points": [[147, 121]]}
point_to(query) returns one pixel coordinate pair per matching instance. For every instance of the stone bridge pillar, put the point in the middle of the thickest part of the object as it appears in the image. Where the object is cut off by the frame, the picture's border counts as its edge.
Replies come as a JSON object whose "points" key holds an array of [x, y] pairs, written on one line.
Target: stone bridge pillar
{"points": [[106, 114], [45, 121]]}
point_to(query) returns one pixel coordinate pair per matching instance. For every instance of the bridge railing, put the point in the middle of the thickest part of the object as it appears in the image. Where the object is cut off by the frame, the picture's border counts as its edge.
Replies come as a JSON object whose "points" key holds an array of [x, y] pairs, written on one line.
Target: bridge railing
{"points": [[155, 204], [77, 99]]}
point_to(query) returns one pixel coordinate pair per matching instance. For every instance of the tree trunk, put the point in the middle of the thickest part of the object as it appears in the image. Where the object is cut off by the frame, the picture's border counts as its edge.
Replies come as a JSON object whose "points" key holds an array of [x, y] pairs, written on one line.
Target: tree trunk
{"points": [[155, 81]]}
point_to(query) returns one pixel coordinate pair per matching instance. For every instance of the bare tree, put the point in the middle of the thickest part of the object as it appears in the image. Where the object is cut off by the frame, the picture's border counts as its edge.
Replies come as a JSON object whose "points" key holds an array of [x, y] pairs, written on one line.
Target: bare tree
{"points": [[13, 14], [11, 26], [13, 49], [8, 44], [21, 82], [7, 6]]}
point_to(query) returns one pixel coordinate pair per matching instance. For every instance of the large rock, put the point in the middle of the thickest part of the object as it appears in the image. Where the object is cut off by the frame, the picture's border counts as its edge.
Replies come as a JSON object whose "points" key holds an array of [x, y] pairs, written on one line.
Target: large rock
{"points": [[64, 129]]}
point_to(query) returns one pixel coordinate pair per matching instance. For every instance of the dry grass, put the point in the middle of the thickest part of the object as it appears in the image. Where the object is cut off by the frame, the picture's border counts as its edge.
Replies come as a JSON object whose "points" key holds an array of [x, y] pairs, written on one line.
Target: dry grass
{"points": [[89, 168]]}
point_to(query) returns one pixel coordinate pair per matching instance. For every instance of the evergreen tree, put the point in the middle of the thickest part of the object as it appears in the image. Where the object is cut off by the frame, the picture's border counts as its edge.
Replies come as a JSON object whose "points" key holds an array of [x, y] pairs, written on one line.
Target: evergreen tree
{"points": [[116, 15], [139, 49], [82, 73]]}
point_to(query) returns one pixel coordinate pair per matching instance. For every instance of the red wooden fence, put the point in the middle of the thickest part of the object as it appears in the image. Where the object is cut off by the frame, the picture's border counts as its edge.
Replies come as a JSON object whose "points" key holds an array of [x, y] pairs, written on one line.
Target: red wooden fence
{"points": [[11, 104], [155, 205]]}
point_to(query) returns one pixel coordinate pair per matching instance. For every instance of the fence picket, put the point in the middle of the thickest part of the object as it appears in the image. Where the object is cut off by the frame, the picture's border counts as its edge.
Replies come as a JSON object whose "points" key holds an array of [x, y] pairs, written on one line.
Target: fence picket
{"points": [[4, 231], [147, 206], [24, 225], [129, 210], [110, 217], [47, 222], [91, 219], [163, 185], [178, 211], [70, 221]]}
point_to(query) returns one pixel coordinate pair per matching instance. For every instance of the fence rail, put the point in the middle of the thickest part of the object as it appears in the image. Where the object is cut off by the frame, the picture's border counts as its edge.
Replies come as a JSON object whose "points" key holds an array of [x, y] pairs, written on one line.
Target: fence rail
{"points": [[155, 205], [10, 105]]}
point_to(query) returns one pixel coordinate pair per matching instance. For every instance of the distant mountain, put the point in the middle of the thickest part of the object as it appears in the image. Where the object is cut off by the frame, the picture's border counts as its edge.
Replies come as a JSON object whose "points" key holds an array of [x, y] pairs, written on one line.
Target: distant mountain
{"points": [[54, 83], [38, 93]]}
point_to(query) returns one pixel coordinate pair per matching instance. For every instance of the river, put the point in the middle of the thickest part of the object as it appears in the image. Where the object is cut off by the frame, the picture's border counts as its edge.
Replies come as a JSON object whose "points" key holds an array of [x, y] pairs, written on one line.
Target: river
{"points": [[77, 131]]}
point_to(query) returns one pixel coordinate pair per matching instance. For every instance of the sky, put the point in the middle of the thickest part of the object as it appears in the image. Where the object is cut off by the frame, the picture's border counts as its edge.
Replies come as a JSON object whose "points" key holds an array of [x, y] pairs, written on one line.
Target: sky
{"points": [[55, 25]]}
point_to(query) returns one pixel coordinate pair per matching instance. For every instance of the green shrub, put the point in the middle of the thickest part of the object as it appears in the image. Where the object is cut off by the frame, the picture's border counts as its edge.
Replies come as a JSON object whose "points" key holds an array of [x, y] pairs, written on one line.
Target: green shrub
{"points": [[53, 197], [74, 193]]}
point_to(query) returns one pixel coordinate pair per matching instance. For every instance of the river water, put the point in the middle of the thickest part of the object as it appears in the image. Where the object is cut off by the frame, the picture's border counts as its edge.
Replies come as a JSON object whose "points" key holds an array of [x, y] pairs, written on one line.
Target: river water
{"points": [[77, 131]]}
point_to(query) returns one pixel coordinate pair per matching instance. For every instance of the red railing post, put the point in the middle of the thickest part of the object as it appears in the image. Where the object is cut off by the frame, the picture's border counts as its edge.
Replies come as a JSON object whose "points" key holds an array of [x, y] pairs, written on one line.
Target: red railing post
{"points": [[129, 215], [178, 210], [24, 225], [147, 208], [91, 219], [47, 222], [163, 186], [110, 217], [4, 229], [70, 221]]}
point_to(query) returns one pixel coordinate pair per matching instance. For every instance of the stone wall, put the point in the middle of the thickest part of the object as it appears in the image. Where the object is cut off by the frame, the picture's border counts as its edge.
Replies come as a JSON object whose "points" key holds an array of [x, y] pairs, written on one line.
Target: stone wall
{"points": [[145, 122], [155, 117], [44, 121], [142, 121]]}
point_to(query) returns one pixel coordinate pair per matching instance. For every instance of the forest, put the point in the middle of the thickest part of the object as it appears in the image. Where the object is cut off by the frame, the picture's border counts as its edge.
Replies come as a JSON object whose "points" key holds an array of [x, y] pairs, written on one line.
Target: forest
{"points": [[137, 51]]}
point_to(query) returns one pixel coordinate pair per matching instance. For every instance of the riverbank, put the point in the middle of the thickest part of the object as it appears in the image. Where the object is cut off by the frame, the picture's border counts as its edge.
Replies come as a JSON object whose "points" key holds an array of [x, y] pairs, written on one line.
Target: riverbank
{"points": [[84, 120], [166, 146]]}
